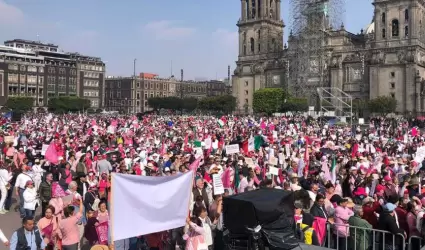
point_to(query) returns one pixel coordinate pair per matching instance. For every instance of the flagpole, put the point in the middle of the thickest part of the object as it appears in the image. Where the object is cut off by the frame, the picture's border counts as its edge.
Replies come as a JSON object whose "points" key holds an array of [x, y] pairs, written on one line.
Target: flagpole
{"points": [[112, 210]]}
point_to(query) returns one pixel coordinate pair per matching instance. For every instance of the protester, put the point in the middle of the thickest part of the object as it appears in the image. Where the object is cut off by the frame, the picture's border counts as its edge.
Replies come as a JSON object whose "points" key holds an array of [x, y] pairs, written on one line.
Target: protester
{"points": [[363, 163], [27, 237], [48, 226], [30, 199]]}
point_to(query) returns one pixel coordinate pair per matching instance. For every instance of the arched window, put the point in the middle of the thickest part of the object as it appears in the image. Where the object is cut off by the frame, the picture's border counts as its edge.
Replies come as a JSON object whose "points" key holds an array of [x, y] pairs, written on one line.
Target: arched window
{"points": [[406, 14], [384, 33], [260, 4], [383, 18], [252, 44], [395, 28], [406, 31]]}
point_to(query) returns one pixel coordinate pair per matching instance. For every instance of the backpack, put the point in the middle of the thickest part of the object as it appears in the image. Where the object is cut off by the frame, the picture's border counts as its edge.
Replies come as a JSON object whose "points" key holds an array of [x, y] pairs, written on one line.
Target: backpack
{"points": [[304, 233]]}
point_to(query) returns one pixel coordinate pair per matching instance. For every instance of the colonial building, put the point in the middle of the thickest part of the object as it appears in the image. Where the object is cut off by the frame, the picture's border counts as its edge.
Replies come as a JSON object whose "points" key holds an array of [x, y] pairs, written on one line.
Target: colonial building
{"points": [[387, 58], [131, 94], [40, 70]]}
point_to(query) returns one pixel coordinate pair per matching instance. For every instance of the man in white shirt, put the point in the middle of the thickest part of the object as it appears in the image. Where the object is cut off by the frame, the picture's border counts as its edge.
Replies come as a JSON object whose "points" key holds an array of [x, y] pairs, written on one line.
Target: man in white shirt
{"points": [[4, 182], [37, 173], [21, 181]]}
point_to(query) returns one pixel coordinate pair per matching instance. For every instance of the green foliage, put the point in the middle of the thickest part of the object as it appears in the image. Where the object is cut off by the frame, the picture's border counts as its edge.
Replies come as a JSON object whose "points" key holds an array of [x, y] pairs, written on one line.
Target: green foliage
{"points": [[295, 105], [382, 105], [20, 104], [224, 104], [359, 106], [268, 100], [65, 104], [189, 104]]}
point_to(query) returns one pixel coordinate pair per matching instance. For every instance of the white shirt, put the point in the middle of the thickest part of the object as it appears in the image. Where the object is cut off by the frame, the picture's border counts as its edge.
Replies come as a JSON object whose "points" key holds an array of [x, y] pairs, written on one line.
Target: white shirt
{"points": [[22, 179], [30, 198], [38, 171], [4, 177], [207, 230]]}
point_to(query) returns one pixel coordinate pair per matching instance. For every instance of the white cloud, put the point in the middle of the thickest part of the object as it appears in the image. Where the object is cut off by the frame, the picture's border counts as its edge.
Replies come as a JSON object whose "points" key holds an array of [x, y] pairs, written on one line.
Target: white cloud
{"points": [[10, 14], [168, 30]]}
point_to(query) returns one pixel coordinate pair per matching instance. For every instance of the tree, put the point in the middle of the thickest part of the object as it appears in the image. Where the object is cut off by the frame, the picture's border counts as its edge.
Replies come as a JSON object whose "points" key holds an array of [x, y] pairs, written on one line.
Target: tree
{"points": [[189, 104], [382, 105], [359, 107], [65, 104], [293, 104], [155, 102], [20, 104], [268, 100], [223, 103]]}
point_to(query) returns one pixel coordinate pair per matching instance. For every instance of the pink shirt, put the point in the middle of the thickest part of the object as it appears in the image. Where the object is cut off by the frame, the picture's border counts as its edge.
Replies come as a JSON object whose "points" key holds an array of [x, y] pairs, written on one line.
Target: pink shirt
{"points": [[69, 230]]}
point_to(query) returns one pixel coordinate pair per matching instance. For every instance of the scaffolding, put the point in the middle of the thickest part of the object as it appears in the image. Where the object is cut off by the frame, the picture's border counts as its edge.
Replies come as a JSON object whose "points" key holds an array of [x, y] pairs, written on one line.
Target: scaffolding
{"points": [[335, 102], [311, 24]]}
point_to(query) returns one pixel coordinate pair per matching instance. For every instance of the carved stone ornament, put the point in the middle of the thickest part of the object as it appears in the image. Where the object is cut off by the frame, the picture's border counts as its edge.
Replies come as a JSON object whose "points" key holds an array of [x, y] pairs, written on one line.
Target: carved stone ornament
{"points": [[410, 56], [401, 56], [340, 62], [334, 62], [381, 57]]}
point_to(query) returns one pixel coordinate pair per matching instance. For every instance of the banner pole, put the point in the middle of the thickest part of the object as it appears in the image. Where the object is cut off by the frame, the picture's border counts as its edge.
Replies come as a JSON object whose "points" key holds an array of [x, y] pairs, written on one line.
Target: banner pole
{"points": [[111, 204]]}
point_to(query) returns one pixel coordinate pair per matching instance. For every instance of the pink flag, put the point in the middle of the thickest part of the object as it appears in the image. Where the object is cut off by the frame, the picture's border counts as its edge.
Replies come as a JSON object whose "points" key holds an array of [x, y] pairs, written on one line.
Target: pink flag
{"points": [[57, 190], [194, 166], [51, 154], [102, 233], [93, 122]]}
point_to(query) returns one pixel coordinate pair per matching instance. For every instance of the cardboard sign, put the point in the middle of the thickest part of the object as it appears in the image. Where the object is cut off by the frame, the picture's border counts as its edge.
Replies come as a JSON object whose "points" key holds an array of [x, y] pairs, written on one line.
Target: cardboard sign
{"points": [[273, 161], [44, 149], [232, 149], [217, 184], [9, 139], [249, 162], [273, 170]]}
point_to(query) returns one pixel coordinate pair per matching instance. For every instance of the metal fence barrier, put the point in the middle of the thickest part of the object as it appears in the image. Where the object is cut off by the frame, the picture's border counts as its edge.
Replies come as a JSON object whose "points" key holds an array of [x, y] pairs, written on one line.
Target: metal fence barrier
{"points": [[415, 242], [345, 237]]}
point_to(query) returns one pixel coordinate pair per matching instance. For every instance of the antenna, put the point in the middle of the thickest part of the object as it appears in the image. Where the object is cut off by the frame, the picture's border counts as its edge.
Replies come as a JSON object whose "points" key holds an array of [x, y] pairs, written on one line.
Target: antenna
{"points": [[171, 68], [181, 75], [228, 72]]}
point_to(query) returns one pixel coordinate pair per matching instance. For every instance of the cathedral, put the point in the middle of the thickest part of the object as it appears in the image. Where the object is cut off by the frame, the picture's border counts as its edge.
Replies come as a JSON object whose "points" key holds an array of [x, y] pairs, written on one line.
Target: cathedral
{"points": [[386, 58]]}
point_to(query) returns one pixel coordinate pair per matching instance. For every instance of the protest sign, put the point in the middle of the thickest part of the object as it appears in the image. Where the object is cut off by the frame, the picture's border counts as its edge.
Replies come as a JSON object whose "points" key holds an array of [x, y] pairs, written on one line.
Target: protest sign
{"points": [[232, 149], [217, 184]]}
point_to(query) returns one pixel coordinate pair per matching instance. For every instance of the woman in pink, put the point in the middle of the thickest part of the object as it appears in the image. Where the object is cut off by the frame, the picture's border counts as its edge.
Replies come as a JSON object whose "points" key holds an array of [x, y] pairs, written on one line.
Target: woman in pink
{"points": [[103, 185], [194, 235], [66, 176], [342, 214], [68, 227], [102, 213], [411, 220], [48, 226]]}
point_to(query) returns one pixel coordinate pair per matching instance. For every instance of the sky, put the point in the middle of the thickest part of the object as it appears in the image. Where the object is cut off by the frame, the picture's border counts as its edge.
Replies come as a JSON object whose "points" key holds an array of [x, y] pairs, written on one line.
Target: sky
{"points": [[164, 36]]}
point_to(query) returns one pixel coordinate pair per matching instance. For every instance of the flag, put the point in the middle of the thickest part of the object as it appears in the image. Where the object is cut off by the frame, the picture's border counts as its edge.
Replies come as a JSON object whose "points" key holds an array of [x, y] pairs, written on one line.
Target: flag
{"points": [[236, 179], [333, 169], [51, 154], [220, 123], [258, 142], [194, 165], [156, 203], [197, 144]]}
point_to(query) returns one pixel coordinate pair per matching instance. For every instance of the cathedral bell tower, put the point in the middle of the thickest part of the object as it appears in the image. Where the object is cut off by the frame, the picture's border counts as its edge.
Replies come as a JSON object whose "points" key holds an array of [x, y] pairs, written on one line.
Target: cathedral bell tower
{"points": [[260, 27], [260, 44]]}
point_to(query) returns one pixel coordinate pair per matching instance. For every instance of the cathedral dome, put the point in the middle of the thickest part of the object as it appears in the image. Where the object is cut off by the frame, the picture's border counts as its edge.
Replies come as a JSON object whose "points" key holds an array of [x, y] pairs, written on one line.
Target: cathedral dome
{"points": [[370, 28]]}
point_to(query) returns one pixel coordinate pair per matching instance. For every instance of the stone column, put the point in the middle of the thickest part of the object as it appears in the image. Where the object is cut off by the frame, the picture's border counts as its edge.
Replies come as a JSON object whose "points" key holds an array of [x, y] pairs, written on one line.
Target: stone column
{"points": [[256, 9], [278, 4], [249, 9], [243, 10]]}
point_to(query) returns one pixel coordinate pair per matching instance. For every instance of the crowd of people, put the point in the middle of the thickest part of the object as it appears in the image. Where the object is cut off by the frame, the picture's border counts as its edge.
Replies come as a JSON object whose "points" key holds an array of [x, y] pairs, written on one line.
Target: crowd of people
{"points": [[59, 166]]}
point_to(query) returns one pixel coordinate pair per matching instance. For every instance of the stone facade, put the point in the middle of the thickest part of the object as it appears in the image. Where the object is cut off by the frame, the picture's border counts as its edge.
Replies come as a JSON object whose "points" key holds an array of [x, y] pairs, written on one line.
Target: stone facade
{"points": [[387, 58]]}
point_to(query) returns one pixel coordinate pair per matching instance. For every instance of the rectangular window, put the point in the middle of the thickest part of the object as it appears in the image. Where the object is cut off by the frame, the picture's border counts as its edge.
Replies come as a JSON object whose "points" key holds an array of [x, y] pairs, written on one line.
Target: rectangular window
{"points": [[22, 79]]}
